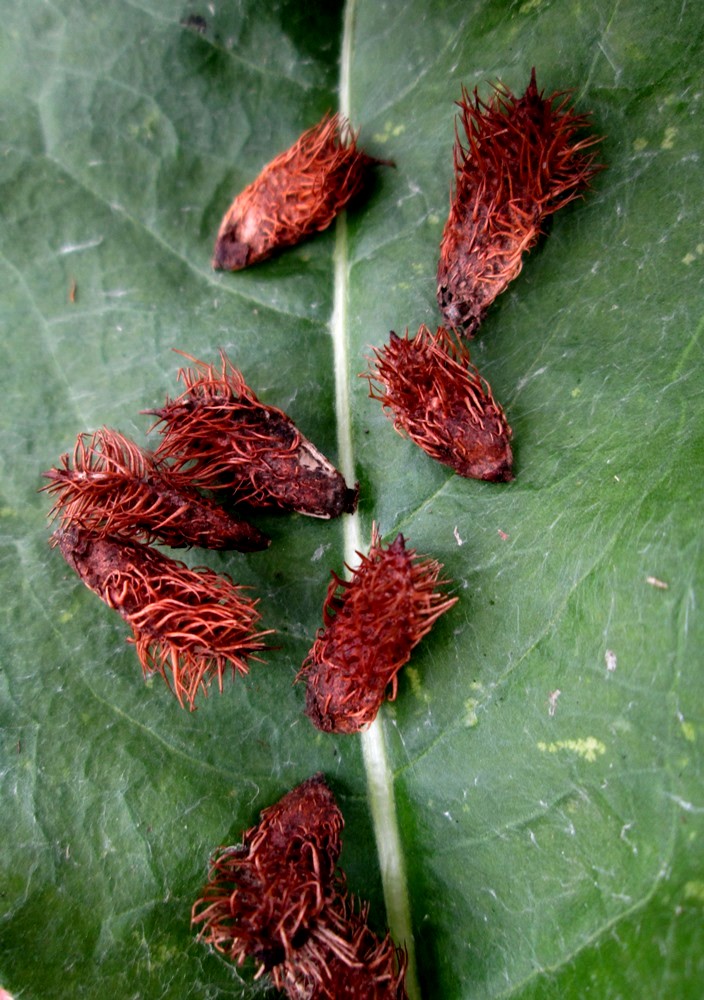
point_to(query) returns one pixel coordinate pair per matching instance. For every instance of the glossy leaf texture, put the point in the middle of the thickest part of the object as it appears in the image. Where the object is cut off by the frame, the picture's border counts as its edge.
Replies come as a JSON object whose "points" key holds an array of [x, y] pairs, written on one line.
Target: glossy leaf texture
{"points": [[546, 742]]}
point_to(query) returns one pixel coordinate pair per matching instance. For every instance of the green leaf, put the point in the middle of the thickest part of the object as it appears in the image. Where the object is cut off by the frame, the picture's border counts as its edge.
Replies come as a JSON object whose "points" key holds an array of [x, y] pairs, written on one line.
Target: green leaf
{"points": [[548, 808]]}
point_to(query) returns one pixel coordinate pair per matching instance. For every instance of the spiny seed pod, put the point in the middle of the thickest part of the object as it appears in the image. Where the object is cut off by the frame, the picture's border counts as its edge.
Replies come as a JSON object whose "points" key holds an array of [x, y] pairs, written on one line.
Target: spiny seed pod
{"points": [[189, 625], [371, 624], [112, 487], [440, 401], [265, 895], [343, 958], [521, 163], [299, 193], [219, 435]]}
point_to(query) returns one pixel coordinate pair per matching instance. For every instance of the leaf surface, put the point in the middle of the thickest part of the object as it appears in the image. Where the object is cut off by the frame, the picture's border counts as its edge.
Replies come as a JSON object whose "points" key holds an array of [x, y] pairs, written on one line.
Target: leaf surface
{"points": [[545, 745]]}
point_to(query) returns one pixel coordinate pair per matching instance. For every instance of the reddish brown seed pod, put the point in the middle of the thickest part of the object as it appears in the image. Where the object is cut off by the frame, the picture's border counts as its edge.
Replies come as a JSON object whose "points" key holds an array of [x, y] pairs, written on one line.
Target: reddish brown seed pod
{"points": [[371, 624], [519, 162], [219, 435], [112, 487], [436, 397], [264, 896], [299, 193], [188, 625], [279, 898], [344, 960]]}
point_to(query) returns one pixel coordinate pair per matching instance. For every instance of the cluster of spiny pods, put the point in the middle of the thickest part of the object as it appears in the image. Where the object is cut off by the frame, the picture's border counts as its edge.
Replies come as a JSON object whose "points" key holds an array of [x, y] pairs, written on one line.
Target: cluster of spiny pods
{"points": [[279, 897]]}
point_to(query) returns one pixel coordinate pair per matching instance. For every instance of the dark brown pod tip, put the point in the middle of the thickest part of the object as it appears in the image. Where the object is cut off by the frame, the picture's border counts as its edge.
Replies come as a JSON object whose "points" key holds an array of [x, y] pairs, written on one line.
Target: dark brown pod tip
{"points": [[190, 626], [299, 193], [518, 162], [220, 436], [438, 399], [372, 622], [110, 486]]}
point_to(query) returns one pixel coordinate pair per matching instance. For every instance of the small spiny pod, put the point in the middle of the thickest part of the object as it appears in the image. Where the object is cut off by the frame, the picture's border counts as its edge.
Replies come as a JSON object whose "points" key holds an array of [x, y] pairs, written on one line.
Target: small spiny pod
{"points": [[265, 895], [112, 487], [372, 622], [220, 436], [299, 193], [343, 959], [188, 625], [519, 162], [279, 898], [436, 397]]}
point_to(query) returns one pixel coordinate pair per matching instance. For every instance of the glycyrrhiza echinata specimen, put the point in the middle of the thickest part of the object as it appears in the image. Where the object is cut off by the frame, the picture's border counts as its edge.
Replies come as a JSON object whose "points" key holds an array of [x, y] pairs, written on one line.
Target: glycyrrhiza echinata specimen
{"points": [[372, 623], [279, 898], [518, 162], [219, 435], [189, 625], [437, 398], [113, 487], [299, 193]]}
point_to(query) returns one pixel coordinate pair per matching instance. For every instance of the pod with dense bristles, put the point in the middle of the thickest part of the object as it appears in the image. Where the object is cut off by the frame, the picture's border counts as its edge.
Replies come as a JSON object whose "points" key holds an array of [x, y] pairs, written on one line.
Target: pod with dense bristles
{"points": [[299, 193], [372, 622], [436, 397], [518, 162], [188, 625], [113, 487], [220, 436], [343, 959], [264, 896], [279, 898]]}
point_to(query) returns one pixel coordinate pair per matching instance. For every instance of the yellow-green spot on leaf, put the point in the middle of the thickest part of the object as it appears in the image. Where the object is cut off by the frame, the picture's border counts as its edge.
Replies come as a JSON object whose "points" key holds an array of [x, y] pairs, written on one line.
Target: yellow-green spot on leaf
{"points": [[470, 712], [639, 144], [433, 218], [7, 512], [689, 258], [530, 5], [669, 140], [587, 747], [576, 392], [688, 731], [414, 680], [65, 617], [694, 891], [390, 130]]}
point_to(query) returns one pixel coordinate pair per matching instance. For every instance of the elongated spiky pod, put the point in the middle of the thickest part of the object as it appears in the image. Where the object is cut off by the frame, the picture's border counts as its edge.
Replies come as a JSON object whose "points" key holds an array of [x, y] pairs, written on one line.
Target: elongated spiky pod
{"points": [[189, 625], [113, 487], [279, 898], [440, 401], [519, 162], [299, 193], [265, 895], [344, 960], [219, 435], [371, 624]]}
